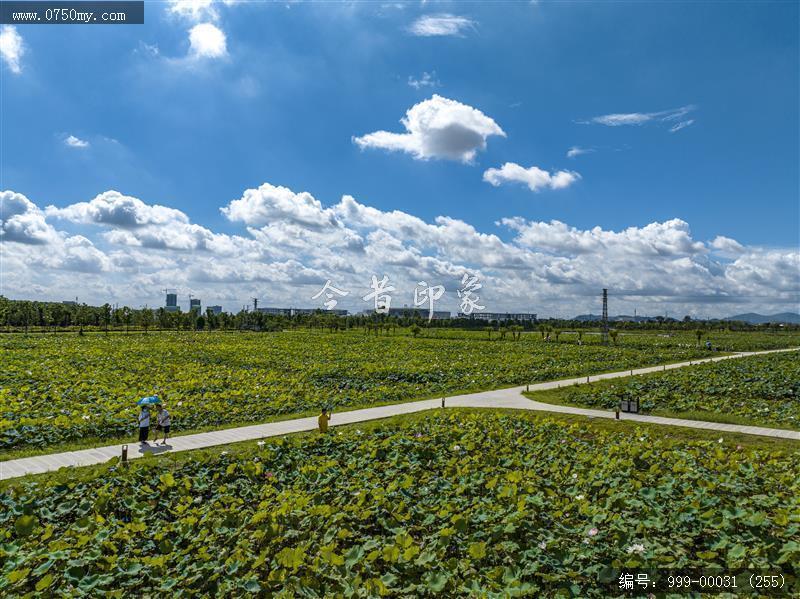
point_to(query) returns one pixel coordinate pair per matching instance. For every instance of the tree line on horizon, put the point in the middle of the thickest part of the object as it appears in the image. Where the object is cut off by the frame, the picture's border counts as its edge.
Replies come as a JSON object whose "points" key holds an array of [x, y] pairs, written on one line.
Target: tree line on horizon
{"points": [[27, 315]]}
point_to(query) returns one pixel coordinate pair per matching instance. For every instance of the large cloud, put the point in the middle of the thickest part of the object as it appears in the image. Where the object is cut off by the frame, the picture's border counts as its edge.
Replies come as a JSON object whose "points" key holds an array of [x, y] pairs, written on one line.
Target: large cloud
{"points": [[118, 210], [291, 243], [11, 48], [269, 204], [535, 178], [22, 221], [31, 247], [669, 239], [437, 128], [134, 223]]}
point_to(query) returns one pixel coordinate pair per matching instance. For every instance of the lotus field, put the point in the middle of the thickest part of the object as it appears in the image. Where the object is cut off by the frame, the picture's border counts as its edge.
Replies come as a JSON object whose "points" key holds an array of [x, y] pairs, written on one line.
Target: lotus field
{"points": [[457, 504], [761, 389], [66, 388]]}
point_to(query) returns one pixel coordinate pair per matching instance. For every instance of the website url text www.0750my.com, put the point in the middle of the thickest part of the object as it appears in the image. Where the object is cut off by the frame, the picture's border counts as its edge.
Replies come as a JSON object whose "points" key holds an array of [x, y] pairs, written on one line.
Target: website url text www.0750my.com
{"points": [[80, 12]]}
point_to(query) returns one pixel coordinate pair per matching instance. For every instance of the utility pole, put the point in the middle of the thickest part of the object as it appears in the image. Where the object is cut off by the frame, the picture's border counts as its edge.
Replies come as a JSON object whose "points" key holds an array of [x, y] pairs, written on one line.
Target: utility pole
{"points": [[605, 317]]}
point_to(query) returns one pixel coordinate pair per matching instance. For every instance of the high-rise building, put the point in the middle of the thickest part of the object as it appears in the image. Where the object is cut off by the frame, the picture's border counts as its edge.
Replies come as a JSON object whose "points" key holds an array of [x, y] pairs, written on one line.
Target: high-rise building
{"points": [[172, 301], [215, 310], [194, 304]]}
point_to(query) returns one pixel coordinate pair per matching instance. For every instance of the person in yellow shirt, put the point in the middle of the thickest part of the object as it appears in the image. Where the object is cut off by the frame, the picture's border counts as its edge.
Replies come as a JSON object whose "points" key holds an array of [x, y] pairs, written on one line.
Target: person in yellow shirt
{"points": [[323, 420]]}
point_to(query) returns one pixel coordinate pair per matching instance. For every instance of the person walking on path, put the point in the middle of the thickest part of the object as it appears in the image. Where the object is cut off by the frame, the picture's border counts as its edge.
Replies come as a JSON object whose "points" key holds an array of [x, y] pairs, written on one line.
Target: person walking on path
{"points": [[162, 423], [323, 420], [144, 424]]}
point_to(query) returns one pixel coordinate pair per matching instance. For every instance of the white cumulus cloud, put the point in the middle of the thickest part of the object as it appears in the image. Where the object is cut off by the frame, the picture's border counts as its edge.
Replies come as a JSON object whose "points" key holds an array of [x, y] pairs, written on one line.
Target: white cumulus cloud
{"points": [[75, 142], [437, 128], [670, 239], [726, 245], [441, 25], [535, 178], [22, 221], [207, 41], [270, 203], [118, 210], [290, 243], [11, 48]]}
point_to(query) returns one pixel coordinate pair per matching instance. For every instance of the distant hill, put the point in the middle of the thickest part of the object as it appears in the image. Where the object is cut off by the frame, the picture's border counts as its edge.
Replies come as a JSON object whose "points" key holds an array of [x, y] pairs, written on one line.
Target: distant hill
{"points": [[753, 318]]}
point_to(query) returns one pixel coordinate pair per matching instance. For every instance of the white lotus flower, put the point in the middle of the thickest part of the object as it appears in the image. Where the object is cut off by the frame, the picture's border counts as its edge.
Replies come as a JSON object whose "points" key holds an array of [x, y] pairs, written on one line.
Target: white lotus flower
{"points": [[636, 548]]}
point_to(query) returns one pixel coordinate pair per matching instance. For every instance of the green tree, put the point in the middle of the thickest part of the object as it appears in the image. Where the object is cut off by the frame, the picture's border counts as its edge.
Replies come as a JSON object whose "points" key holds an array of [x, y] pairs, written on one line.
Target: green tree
{"points": [[25, 312], [162, 317], [126, 316], [105, 316], [211, 319], [57, 314], [145, 318], [82, 317]]}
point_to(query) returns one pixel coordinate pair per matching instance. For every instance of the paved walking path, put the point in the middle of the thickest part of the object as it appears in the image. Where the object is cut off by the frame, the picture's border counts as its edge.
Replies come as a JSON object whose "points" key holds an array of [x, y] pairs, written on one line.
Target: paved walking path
{"points": [[501, 398]]}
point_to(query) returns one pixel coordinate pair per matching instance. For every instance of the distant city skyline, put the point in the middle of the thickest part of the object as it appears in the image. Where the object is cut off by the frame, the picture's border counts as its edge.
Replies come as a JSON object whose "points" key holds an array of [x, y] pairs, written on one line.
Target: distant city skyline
{"points": [[249, 149]]}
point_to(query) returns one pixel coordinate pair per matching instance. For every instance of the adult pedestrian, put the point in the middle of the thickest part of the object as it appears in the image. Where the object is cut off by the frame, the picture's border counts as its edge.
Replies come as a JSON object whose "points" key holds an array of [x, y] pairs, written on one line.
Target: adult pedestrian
{"points": [[162, 422], [144, 424]]}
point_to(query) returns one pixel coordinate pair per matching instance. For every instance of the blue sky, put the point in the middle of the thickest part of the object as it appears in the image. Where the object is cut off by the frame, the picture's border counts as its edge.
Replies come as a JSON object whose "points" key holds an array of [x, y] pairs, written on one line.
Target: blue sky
{"points": [[293, 85]]}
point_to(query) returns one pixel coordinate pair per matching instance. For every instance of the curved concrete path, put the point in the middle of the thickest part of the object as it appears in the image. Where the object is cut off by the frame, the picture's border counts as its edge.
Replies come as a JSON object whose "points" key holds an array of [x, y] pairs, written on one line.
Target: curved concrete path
{"points": [[500, 398]]}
